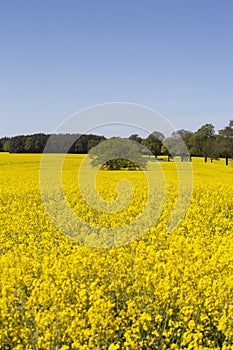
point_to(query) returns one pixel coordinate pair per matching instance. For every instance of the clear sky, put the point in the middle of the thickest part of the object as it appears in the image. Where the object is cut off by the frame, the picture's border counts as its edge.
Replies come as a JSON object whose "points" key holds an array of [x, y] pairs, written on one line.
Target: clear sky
{"points": [[59, 56]]}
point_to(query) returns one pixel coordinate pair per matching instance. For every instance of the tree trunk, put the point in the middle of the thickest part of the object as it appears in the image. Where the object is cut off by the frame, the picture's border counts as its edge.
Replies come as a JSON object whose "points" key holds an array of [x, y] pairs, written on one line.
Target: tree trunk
{"points": [[227, 161], [206, 159], [168, 158], [181, 158]]}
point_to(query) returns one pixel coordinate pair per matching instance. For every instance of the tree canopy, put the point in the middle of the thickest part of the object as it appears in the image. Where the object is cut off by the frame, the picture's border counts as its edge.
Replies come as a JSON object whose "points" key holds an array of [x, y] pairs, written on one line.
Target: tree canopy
{"points": [[117, 154]]}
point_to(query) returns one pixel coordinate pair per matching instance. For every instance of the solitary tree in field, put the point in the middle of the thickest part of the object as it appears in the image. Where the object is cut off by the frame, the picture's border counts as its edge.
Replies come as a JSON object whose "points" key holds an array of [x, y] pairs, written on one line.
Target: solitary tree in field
{"points": [[117, 154]]}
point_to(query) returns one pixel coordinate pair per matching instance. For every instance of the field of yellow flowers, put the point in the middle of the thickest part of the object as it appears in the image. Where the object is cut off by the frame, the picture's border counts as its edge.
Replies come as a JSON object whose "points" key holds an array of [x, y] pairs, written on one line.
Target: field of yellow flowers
{"points": [[165, 290]]}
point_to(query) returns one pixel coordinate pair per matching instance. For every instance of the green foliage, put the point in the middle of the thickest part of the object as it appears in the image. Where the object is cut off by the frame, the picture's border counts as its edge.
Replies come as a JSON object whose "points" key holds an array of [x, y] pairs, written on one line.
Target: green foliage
{"points": [[120, 164], [135, 138], [118, 154], [186, 136], [175, 146], [154, 142], [57, 143], [226, 141], [199, 139], [226, 137], [5, 144], [204, 143]]}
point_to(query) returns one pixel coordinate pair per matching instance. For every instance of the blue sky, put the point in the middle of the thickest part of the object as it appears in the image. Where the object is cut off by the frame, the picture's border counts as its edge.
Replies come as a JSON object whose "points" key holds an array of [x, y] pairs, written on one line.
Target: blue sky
{"points": [[58, 57]]}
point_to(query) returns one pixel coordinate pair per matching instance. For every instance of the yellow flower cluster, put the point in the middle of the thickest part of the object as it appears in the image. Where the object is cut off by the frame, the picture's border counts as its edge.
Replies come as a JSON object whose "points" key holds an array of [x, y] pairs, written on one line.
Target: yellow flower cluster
{"points": [[165, 290]]}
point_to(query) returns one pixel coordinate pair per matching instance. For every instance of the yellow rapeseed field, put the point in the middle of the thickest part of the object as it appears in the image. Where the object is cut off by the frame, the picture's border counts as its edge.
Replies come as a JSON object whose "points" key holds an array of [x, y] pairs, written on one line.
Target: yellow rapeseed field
{"points": [[165, 290]]}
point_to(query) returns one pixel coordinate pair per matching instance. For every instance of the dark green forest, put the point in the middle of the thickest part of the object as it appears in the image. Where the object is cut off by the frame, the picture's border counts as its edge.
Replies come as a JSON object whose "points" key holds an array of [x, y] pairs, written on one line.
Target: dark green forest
{"points": [[58, 143], [204, 142]]}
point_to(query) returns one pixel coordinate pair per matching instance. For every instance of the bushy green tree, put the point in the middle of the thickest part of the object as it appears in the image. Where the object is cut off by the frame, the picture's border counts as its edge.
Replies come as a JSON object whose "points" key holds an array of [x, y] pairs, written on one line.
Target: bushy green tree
{"points": [[199, 140], [117, 154], [154, 143]]}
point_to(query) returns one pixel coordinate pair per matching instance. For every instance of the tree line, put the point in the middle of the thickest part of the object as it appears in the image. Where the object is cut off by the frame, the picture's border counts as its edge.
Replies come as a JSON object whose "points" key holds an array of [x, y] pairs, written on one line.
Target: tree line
{"points": [[36, 143], [184, 143]]}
